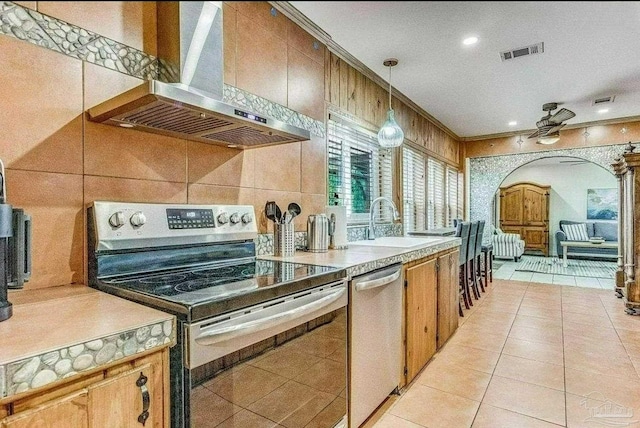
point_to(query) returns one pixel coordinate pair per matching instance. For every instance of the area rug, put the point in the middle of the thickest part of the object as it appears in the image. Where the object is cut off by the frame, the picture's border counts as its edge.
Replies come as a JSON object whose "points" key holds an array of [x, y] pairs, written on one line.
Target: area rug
{"points": [[588, 268]]}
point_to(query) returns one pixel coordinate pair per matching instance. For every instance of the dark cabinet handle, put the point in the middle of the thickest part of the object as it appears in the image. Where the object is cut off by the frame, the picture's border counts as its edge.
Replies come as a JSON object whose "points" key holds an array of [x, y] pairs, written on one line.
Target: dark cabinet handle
{"points": [[142, 384]]}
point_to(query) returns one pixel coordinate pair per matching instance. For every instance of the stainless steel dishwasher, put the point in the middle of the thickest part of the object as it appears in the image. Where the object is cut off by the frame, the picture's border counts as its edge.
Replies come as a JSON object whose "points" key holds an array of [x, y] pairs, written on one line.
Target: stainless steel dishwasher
{"points": [[376, 340]]}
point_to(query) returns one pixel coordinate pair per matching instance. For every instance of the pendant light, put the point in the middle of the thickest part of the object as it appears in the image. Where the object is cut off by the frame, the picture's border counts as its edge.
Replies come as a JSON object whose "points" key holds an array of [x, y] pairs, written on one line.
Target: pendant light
{"points": [[390, 135]]}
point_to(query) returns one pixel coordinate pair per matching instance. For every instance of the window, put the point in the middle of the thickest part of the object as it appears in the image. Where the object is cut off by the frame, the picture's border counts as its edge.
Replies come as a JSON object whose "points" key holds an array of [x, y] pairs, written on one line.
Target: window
{"points": [[359, 171], [432, 191], [413, 184], [435, 194]]}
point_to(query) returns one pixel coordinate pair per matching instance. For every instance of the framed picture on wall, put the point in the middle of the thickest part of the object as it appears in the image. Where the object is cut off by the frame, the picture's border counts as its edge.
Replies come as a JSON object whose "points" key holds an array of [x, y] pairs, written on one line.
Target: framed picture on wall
{"points": [[602, 204]]}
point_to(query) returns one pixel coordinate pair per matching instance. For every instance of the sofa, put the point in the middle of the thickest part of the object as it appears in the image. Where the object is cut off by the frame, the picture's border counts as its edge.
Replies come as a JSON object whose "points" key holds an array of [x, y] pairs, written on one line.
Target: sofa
{"points": [[507, 245], [606, 230]]}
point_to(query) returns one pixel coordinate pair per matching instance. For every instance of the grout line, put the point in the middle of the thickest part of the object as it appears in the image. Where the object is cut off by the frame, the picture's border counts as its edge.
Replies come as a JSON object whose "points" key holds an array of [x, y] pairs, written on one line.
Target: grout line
{"points": [[564, 362]]}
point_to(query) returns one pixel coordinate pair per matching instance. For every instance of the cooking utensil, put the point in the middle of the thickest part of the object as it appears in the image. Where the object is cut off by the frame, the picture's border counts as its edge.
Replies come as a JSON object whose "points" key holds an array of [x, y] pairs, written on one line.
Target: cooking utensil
{"points": [[270, 211], [278, 213], [293, 209]]}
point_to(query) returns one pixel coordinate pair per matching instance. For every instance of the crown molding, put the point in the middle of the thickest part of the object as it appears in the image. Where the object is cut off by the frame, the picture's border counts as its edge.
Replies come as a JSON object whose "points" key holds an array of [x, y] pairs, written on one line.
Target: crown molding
{"points": [[572, 126], [312, 28]]}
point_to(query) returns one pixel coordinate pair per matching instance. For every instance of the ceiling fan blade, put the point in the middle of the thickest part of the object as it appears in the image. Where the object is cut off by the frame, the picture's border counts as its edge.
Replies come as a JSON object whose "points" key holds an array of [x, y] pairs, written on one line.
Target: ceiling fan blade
{"points": [[562, 115], [556, 128], [535, 134]]}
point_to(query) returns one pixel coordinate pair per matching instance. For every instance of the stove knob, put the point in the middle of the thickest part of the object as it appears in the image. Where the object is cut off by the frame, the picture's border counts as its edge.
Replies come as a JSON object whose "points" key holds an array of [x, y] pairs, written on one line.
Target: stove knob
{"points": [[235, 218], [138, 219], [246, 218], [223, 218], [117, 219]]}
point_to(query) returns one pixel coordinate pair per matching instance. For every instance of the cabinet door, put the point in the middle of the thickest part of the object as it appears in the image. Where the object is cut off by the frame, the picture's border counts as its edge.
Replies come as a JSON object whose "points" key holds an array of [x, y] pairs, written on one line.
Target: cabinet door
{"points": [[535, 206], [69, 412], [535, 238], [448, 296], [421, 316], [511, 207], [119, 401]]}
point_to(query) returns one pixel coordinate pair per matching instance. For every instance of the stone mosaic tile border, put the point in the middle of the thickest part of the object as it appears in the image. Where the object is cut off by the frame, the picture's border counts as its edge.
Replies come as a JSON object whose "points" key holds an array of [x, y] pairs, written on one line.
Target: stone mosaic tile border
{"points": [[487, 173], [403, 258], [60, 36], [36, 371]]}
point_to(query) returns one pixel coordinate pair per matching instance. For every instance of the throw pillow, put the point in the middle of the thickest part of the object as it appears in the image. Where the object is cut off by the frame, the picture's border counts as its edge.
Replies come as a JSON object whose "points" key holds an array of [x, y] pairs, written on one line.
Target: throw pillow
{"points": [[576, 232]]}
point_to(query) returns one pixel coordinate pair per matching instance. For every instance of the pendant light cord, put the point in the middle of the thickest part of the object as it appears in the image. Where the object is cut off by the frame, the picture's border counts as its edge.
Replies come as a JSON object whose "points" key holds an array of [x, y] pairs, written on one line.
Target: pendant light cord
{"points": [[390, 87]]}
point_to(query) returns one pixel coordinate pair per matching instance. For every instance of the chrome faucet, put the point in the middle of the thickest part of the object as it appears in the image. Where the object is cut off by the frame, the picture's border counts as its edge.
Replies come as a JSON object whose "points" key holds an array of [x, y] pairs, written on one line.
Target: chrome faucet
{"points": [[396, 216]]}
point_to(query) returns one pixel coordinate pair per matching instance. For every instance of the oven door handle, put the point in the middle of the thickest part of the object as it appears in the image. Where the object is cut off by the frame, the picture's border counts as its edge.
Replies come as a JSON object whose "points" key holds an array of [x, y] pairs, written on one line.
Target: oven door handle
{"points": [[212, 334]]}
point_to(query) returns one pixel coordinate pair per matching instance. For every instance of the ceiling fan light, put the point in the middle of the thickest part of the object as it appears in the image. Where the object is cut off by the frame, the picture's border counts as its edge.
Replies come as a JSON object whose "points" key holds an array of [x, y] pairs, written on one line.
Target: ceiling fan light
{"points": [[549, 139], [390, 135]]}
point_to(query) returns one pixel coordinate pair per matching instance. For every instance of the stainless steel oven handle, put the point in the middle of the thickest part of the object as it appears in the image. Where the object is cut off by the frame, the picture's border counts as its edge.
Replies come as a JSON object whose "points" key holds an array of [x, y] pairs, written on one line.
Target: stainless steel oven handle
{"points": [[213, 334], [367, 285]]}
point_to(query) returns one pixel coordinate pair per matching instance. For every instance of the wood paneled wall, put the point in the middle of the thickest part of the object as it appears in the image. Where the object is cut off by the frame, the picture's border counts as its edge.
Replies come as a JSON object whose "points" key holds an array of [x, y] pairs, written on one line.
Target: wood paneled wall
{"points": [[352, 92]]}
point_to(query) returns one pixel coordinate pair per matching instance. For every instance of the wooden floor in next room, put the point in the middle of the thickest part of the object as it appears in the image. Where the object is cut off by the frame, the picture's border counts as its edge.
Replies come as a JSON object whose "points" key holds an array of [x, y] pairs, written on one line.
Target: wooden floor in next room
{"points": [[529, 355]]}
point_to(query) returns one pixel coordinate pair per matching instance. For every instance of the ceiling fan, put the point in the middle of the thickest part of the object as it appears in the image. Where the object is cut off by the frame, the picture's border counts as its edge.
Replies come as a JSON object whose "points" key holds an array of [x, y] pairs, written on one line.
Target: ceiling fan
{"points": [[549, 126]]}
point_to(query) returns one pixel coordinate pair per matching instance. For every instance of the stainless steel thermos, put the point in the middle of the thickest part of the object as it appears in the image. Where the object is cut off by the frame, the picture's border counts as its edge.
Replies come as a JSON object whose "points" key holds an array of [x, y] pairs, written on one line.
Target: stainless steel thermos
{"points": [[317, 233]]}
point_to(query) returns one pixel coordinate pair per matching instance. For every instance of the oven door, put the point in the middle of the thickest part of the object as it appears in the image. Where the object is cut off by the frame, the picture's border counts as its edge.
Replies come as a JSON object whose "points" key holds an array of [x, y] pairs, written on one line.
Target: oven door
{"points": [[280, 362]]}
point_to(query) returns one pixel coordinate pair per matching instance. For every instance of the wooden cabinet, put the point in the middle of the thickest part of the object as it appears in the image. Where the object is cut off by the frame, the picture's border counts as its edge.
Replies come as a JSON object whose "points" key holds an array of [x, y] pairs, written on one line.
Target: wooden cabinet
{"points": [[70, 411], [448, 296], [421, 316], [115, 396], [524, 209]]}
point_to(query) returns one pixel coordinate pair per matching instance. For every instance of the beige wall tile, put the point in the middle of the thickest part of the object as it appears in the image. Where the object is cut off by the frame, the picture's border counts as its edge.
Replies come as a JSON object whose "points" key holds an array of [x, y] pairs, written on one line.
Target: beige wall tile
{"points": [[209, 194], [29, 4], [129, 22], [118, 152], [229, 38], [283, 199], [305, 85], [278, 167], [261, 61], [304, 42], [101, 83], [259, 12], [54, 202], [212, 164], [122, 189], [313, 168], [41, 103], [311, 204]]}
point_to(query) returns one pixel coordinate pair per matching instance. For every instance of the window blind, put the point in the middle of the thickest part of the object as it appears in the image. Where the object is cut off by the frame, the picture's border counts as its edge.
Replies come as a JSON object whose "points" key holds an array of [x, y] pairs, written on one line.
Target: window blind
{"points": [[358, 171], [452, 195], [435, 194], [460, 213], [413, 185]]}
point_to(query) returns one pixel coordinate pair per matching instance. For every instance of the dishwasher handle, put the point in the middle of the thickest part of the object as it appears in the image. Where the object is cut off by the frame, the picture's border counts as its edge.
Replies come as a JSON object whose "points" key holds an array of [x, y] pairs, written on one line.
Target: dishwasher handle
{"points": [[211, 335], [368, 285]]}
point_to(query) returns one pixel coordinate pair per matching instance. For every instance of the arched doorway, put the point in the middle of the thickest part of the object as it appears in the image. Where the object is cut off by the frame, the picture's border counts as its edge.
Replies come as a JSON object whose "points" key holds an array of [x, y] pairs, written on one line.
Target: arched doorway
{"points": [[574, 183]]}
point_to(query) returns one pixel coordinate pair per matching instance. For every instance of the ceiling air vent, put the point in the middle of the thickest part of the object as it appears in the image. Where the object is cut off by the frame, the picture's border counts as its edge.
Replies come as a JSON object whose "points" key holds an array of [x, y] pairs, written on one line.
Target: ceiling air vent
{"points": [[603, 100], [538, 48]]}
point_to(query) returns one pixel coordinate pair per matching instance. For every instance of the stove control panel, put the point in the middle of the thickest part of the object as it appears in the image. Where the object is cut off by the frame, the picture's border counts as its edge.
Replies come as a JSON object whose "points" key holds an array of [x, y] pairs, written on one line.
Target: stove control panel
{"points": [[125, 225]]}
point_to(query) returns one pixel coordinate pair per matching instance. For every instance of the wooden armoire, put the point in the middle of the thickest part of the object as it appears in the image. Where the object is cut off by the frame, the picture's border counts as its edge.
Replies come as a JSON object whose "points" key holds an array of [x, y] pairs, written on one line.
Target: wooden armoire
{"points": [[524, 209]]}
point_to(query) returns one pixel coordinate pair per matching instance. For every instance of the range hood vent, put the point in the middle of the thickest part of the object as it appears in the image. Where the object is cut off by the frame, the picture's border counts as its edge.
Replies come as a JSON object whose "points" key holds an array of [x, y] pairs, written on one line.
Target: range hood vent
{"points": [[193, 109]]}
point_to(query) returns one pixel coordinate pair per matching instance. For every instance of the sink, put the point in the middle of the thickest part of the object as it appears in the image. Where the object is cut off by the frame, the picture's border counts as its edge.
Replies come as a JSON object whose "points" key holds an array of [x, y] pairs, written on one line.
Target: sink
{"points": [[397, 241]]}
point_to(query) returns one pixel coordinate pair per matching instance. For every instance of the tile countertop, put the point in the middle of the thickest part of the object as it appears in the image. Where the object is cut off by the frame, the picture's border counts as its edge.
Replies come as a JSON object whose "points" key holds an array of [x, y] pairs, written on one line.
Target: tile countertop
{"points": [[57, 332], [360, 259]]}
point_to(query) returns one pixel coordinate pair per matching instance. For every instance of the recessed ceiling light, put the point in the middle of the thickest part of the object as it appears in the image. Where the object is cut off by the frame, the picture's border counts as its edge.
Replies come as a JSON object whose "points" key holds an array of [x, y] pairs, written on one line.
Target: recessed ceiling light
{"points": [[513, 123], [126, 125], [603, 110], [470, 40]]}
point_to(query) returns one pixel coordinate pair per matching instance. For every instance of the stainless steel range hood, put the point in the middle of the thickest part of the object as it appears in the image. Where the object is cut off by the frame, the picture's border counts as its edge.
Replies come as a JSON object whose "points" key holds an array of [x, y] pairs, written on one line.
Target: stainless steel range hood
{"points": [[190, 34]]}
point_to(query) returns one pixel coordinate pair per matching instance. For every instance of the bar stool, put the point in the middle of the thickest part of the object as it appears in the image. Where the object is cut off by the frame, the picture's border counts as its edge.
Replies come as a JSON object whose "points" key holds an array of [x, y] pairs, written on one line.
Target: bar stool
{"points": [[487, 274], [478, 255], [472, 281], [462, 231]]}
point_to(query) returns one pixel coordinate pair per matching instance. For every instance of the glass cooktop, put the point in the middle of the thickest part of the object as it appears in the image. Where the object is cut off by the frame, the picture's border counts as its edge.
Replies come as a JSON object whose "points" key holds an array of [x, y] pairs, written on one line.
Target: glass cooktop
{"points": [[202, 284]]}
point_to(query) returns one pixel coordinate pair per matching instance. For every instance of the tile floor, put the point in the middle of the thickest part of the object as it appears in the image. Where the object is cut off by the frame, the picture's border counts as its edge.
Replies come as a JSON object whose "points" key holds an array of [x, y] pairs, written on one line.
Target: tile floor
{"points": [[529, 355], [507, 270]]}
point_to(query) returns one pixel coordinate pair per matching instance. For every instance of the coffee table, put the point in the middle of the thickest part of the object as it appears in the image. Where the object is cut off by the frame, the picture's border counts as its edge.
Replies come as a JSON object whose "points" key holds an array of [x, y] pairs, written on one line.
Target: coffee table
{"points": [[583, 244]]}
